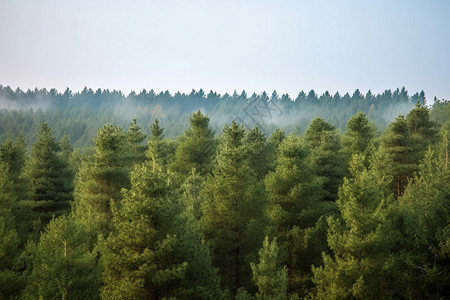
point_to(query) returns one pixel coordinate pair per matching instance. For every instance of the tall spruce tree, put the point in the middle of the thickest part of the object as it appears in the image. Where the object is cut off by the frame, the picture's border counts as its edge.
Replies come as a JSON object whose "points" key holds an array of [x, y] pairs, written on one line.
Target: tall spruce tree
{"points": [[358, 134], [233, 211], [159, 150], [423, 131], [61, 264], [423, 220], [196, 148], [361, 240], [268, 275], [323, 141], [153, 252], [397, 142], [258, 149], [294, 208], [51, 188], [135, 139], [100, 180], [9, 238]]}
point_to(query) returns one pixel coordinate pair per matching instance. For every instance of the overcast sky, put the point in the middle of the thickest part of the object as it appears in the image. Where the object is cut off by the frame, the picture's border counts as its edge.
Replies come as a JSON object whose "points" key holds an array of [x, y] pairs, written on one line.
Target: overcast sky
{"points": [[224, 46]]}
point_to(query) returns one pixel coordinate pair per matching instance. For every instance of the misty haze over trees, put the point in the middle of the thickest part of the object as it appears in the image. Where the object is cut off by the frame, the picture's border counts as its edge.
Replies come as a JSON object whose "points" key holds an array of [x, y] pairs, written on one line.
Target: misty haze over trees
{"points": [[208, 196], [80, 114]]}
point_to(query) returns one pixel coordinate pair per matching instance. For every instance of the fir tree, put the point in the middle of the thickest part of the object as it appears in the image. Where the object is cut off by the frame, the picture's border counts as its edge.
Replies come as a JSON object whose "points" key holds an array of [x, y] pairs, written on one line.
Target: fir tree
{"points": [[258, 152], [135, 139], [62, 265], [153, 252], [268, 275], [50, 184], [359, 132], [233, 206], [361, 241], [396, 141], [196, 148], [100, 180], [323, 141], [9, 238], [294, 208]]}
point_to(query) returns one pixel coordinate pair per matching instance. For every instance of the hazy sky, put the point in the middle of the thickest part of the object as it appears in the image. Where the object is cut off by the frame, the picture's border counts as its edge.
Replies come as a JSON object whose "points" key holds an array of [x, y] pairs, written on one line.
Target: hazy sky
{"points": [[286, 46]]}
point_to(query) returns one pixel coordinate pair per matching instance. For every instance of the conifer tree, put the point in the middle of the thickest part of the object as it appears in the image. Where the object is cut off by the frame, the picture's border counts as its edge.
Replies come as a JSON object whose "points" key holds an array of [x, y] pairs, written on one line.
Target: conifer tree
{"points": [[396, 141], [62, 265], [100, 180], [50, 184], [323, 141], [423, 131], [135, 139], [196, 148], [359, 132], [12, 157], [233, 211], [294, 208], [268, 275], [9, 238], [191, 190], [423, 220], [361, 241], [153, 252], [159, 150], [258, 152]]}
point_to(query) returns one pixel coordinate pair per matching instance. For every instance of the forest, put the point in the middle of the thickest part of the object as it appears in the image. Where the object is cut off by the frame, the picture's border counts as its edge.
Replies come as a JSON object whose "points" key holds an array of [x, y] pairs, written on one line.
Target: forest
{"points": [[209, 196]]}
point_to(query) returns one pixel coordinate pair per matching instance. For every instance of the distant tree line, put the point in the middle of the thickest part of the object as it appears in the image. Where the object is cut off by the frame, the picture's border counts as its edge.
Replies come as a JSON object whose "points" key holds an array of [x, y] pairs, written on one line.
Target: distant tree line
{"points": [[79, 114]]}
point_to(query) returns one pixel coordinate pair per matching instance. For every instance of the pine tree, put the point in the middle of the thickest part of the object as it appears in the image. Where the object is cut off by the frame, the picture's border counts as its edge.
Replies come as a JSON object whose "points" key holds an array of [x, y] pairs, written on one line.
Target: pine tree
{"points": [[359, 133], [62, 265], [424, 223], [9, 238], [396, 141], [159, 149], [153, 252], [12, 157], [196, 148], [191, 190], [233, 208], [323, 141], [267, 274], [100, 180], [50, 184], [360, 267], [258, 152], [294, 209], [423, 131], [135, 139]]}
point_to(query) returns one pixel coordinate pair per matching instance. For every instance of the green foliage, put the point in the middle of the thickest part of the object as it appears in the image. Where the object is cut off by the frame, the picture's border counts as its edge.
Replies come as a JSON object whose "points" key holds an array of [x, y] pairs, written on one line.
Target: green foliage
{"points": [[197, 148], [423, 219], [50, 182], [153, 252], [294, 208], [396, 141], [267, 274], [61, 264], [9, 238], [135, 139], [100, 180], [233, 211], [323, 141], [159, 149], [258, 150], [361, 241]]}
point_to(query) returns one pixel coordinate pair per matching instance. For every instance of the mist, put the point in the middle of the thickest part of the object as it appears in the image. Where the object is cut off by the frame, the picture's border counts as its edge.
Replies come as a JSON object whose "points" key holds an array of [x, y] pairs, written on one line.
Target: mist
{"points": [[80, 114]]}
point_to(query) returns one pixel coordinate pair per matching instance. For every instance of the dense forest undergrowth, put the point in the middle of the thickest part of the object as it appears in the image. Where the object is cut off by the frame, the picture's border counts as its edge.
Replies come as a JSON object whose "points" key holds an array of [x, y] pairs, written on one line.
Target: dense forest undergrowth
{"points": [[223, 197]]}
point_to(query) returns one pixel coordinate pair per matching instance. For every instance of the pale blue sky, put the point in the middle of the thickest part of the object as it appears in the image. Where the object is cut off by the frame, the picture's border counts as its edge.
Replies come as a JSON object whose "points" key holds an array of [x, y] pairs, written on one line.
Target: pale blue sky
{"points": [[172, 45]]}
